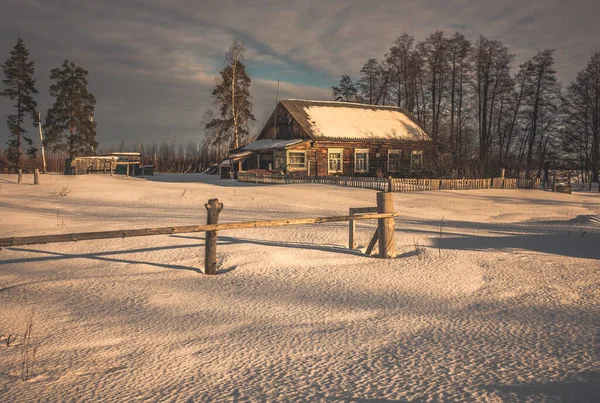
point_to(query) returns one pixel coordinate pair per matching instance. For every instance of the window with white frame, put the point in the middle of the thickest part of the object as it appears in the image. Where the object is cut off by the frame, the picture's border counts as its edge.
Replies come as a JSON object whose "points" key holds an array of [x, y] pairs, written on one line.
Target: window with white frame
{"points": [[361, 160], [393, 164], [416, 160], [296, 159], [278, 159], [334, 158]]}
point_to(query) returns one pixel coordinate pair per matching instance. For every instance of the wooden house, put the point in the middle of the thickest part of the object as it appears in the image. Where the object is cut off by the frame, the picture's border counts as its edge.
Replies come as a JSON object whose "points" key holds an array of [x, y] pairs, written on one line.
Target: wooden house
{"points": [[320, 138]]}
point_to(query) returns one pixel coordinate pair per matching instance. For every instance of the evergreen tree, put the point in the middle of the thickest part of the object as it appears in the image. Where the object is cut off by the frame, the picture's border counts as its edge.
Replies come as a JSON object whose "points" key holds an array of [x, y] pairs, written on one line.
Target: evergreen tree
{"points": [[69, 123], [232, 94], [20, 87], [347, 91]]}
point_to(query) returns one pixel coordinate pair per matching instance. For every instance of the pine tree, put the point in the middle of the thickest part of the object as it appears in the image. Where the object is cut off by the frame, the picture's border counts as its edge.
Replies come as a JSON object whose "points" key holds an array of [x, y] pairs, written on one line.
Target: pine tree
{"points": [[69, 123], [347, 91], [232, 94], [20, 87]]}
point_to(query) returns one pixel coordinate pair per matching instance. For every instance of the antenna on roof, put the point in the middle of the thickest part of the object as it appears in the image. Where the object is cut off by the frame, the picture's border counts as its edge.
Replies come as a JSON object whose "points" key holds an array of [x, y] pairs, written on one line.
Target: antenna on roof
{"points": [[275, 112]]}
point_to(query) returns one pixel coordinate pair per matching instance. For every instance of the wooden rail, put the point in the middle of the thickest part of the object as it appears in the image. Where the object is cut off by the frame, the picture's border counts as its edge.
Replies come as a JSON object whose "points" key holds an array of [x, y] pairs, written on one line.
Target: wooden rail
{"points": [[385, 216], [85, 236]]}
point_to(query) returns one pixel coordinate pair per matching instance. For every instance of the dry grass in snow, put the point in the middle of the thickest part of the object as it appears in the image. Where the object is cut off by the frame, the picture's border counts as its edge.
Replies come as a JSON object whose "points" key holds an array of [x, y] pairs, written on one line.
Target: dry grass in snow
{"points": [[498, 302]]}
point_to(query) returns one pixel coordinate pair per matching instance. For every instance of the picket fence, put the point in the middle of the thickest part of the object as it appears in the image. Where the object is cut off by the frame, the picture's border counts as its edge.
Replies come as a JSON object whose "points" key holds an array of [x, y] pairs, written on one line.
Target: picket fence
{"points": [[394, 184]]}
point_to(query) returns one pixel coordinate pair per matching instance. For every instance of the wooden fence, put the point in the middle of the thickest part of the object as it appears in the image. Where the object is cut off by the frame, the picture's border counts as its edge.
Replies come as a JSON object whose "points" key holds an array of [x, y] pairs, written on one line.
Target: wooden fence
{"points": [[383, 213], [351, 181], [585, 187], [394, 184]]}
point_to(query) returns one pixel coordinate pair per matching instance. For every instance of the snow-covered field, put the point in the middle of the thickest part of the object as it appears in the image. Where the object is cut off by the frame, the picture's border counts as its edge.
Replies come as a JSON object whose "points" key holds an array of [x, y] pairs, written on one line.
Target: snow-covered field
{"points": [[502, 304]]}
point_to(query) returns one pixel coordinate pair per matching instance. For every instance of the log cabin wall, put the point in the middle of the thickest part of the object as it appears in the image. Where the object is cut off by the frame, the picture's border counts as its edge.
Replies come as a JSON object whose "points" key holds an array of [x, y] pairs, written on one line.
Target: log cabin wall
{"points": [[317, 158], [377, 166]]}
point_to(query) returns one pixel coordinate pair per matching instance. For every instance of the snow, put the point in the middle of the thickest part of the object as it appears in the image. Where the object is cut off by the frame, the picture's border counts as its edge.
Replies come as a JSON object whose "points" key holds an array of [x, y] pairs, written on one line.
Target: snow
{"points": [[501, 306], [235, 157], [338, 122], [268, 144]]}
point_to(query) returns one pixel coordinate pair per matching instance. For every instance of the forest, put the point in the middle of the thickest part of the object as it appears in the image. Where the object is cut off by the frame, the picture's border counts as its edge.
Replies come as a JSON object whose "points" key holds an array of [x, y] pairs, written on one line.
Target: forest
{"points": [[483, 111]]}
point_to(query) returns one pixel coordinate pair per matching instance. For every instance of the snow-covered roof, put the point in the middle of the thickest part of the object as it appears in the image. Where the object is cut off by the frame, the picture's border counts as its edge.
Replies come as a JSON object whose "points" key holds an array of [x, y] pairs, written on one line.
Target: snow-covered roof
{"points": [[98, 157], [260, 145], [235, 157], [239, 156], [124, 154], [350, 121]]}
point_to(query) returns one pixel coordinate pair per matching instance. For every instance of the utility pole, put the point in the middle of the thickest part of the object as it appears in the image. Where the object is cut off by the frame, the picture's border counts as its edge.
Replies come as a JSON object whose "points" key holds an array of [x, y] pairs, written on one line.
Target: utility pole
{"points": [[42, 142]]}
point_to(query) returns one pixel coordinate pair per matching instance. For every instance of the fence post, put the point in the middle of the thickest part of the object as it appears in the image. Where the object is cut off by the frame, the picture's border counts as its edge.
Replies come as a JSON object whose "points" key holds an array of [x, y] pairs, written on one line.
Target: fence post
{"points": [[213, 208], [351, 229], [385, 226], [36, 176], [20, 176]]}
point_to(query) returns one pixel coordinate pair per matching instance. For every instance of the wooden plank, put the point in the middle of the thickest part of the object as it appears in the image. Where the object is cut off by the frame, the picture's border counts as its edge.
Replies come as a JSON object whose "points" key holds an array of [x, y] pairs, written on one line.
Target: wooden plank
{"points": [[351, 229], [84, 236], [372, 243]]}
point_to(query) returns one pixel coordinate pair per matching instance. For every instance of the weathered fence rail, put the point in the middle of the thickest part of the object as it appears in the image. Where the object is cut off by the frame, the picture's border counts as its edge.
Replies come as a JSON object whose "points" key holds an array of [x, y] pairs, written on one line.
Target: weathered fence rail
{"points": [[384, 214], [351, 181], [394, 184]]}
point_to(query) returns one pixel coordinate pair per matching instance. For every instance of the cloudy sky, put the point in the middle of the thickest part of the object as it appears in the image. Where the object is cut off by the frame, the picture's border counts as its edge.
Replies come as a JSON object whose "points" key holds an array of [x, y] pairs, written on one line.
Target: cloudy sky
{"points": [[152, 63]]}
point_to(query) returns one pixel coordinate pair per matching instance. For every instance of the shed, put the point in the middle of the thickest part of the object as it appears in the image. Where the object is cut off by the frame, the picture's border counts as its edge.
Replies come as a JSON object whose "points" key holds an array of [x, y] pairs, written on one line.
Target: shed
{"points": [[123, 163]]}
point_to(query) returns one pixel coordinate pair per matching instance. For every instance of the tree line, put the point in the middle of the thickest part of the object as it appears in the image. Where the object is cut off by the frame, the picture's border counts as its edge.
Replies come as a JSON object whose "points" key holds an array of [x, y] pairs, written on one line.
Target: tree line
{"points": [[70, 130], [69, 126], [482, 113]]}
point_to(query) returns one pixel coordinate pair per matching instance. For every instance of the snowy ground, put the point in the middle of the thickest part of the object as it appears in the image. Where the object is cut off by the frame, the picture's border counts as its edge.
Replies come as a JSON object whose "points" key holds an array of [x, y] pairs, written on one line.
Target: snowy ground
{"points": [[504, 306]]}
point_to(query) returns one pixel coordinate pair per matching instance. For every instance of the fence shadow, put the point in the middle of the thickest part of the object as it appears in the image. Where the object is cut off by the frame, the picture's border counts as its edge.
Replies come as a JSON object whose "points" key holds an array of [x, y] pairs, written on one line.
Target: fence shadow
{"points": [[555, 243], [362, 400], [571, 238], [292, 245], [214, 180], [105, 256], [2, 180], [586, 388]]}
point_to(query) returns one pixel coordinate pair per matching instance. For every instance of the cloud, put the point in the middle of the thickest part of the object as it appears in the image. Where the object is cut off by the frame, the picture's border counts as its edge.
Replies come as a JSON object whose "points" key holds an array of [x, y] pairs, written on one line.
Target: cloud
{"points": [[152, 63]]}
